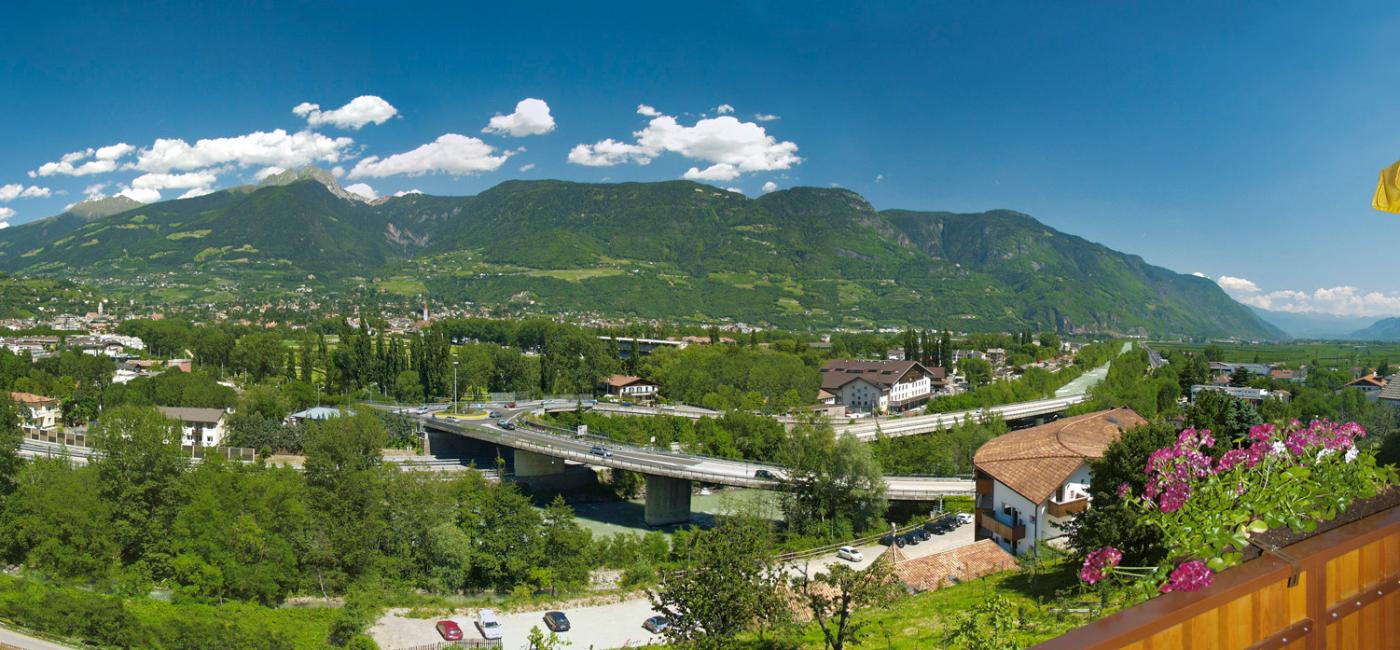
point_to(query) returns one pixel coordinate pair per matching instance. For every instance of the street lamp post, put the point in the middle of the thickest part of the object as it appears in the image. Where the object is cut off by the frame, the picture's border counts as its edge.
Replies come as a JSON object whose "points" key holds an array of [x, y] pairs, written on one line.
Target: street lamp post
{"points": [[454, 388]]}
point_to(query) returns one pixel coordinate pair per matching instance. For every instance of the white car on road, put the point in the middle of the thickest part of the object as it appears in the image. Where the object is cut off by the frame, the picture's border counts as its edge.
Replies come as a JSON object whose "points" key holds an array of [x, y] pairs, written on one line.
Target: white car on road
{"points": [[849, 553]]}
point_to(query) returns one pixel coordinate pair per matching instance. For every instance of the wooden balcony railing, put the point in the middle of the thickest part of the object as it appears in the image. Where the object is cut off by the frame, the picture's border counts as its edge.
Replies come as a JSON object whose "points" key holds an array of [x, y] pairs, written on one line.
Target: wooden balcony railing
{"points": [[1338, 589], [1012, 533], [1067, 508]]}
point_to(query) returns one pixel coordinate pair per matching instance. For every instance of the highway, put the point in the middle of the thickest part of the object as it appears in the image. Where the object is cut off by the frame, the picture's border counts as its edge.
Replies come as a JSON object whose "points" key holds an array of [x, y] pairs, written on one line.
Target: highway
{"points": [[562, 444]]}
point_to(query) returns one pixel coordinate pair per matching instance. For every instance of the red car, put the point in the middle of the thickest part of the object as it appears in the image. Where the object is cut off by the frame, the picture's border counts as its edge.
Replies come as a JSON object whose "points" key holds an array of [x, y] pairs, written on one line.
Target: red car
{"points": [[510, 405], [449, 630]]}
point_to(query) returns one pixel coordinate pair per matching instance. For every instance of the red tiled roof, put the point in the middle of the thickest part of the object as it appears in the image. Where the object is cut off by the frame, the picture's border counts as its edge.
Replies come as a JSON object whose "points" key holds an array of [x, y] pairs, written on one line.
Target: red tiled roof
{"points": [[951, 567], [618, 381], [1036, 461], [31, 398]]}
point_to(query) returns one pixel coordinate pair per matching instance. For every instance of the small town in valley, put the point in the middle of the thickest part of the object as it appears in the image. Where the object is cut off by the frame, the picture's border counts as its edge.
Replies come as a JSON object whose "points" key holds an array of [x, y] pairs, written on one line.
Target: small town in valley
{"points": [[746, 326]]}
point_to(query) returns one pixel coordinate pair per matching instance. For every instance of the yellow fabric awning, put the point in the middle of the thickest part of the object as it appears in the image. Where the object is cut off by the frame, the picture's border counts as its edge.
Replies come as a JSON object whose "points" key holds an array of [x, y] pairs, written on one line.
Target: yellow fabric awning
{"points": [[1388, 190]]}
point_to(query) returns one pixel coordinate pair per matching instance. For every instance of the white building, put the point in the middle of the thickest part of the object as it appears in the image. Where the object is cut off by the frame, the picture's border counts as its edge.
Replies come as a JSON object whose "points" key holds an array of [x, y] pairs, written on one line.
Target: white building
{"points": [[1030, 482], [37, 414], [880, 386], [629, 387], [198, 427]]}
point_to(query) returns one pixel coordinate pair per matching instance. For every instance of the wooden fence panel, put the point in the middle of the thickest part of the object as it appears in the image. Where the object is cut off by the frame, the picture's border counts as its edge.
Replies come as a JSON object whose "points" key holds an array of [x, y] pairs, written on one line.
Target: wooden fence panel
{"points": [[1346, 595]]}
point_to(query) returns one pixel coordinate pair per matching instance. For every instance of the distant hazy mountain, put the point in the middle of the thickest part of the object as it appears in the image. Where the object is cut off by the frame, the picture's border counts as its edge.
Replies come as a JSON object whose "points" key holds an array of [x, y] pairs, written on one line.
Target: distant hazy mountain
{"points": [[1315, 326], [1385, 329], [795, 258]]}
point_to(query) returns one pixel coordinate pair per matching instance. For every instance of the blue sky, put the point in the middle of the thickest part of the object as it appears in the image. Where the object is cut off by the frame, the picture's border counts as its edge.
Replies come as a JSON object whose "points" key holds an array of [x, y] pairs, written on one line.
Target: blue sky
{"points": [[1233, 139]]}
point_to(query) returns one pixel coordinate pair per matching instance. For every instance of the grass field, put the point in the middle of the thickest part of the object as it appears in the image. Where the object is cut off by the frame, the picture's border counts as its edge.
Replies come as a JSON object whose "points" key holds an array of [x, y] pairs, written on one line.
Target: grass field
{"points": [[1340, 354]]}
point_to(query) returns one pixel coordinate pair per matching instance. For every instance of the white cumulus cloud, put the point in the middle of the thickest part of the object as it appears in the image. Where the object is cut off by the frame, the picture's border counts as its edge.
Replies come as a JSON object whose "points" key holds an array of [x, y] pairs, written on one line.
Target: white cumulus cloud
{"points": [[1236, 285], [1338, 301], [527, 167], [175, 181], [95, 191], [266, 148], [6, 213], [197, 192], [88, 161], [405, 192], [362, 110], [140, 195], [21, 191], [769, 186], [363, 191], [451, 153], [766, 117], [531, 117], [1200, 275], [266, 172], [643, 109], [723, 109], [715, 172], [731, 147]]}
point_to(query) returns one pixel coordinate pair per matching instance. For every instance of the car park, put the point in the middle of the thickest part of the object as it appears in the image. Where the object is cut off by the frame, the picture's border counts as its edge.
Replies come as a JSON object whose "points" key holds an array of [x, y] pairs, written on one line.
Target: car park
{"points": [[849, 553], [599, 450], [488, 624], [556, 621], [656, 624], [449, 630]]}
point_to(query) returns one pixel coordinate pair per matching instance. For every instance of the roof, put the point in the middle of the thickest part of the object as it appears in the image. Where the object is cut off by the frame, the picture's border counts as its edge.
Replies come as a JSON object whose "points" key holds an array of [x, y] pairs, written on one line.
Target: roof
{"points": [[1036, 461], [618, 381], [188, 414], [883, 374], [1369, 380], [961, 564], [30, 398], [1390, 392]]}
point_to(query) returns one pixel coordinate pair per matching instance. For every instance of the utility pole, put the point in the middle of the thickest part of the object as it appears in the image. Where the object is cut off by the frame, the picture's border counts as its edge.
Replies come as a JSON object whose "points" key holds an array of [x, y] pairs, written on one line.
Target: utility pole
{"points": [[454, 388]]}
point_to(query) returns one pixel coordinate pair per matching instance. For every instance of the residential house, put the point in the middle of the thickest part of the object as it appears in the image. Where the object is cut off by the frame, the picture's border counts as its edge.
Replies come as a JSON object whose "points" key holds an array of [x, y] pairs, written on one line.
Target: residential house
{"points": [[1030, 482], [997, 356], [199, 427], [1370, 385], [38, 414], [1255, 396], [1297, 376], [1390, 395], [880, 386], [1221, 372], [629, 387]]}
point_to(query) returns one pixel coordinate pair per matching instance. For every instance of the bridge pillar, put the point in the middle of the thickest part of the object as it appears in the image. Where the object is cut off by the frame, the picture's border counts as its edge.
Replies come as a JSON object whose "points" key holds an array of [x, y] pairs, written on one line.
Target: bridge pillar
{"points": [[668, 501], [528, 463]]}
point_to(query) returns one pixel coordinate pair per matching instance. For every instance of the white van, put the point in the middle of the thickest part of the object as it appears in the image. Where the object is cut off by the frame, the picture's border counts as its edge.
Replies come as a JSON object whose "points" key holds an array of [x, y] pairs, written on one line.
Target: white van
{"points": [[488, 624]]}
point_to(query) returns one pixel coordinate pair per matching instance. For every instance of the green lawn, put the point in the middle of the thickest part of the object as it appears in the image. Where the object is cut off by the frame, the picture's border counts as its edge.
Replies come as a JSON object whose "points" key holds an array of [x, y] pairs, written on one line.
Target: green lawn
{"points": [[1332, 353]]}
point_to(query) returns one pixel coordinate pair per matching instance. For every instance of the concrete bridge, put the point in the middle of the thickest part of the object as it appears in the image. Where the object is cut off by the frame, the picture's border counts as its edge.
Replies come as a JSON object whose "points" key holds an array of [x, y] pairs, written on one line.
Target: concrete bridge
{"points": [[669, 475]]}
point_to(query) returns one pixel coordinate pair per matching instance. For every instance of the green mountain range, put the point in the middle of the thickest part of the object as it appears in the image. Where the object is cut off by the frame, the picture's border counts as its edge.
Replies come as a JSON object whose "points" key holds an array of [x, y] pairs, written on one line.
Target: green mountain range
{"points": [[672, 250]]}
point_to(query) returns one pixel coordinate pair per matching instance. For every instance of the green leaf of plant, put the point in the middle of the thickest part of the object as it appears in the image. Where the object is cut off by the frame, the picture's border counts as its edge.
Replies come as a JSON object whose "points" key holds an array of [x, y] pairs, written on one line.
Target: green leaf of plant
{"points": [[1258, 526]]}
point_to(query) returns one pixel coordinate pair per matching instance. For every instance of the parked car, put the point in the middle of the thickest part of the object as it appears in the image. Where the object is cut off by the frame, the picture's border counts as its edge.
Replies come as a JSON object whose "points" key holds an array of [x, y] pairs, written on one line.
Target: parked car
{"points": [[912, 540], [510, 405], [556, 621], [887, 540], [656, 624], [494, 414], [964, 518], [488, 624], [599, 450], [449, 630], [849, 553], [765, 474]]}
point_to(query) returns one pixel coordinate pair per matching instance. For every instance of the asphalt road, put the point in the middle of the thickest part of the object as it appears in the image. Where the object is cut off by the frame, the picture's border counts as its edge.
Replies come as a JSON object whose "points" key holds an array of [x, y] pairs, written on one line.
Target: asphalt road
{"points": [[12, 639]]}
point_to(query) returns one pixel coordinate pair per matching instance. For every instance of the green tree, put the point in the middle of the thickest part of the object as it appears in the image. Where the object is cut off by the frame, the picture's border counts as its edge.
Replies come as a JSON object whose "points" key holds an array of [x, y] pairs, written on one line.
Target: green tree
{"points": [[989, 625], [568, 545], [833, 596], [835, 487], [57, 524], [346, 495], [978, 372], [726, 580], [138, 462], [260, 355]]}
